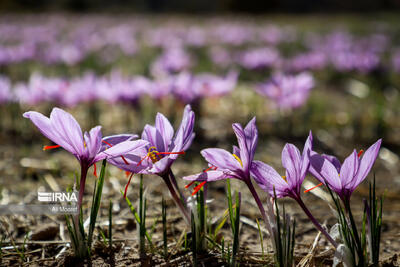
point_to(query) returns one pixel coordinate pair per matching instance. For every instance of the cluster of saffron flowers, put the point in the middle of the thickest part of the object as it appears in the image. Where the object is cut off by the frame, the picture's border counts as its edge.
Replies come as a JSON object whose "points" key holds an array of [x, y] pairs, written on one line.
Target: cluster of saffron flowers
{"points": [[160, 146], [114, 88], [69, 41]]}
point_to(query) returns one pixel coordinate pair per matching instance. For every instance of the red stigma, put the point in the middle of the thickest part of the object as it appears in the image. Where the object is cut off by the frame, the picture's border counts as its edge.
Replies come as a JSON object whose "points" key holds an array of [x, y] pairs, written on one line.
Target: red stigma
{"points": [[127, 185], [198, 187], [189, 184], [95, 170], [312, 188], [212, 168], [171, 153], [360, 153], [50, 147], [140, 162]]}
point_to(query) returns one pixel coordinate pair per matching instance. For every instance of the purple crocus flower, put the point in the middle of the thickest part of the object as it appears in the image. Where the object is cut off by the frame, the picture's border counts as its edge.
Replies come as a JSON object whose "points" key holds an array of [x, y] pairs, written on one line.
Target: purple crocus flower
{"points": [[287, 91], [88, 148], [161, 151], [224, 165], [231, 165], [296, 165], [344, 179], [162, 148]]}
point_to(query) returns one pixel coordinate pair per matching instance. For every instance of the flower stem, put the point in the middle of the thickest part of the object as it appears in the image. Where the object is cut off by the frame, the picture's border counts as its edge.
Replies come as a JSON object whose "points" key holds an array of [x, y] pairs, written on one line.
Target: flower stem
{"points": [[84, 171], [175, 183], [315, 222], [261, 208], [176, 198]]}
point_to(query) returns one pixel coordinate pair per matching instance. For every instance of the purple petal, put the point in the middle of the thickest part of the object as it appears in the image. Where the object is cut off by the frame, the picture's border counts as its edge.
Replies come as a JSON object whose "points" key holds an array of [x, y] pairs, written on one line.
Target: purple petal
{"points": [[44, 125], [136, 162], [291, 161], [251, 135], [236, 151], [221, 159], [208, 176], [115, 139], [324, 170], [68, 128], [334, 161], [186, 127], [165, 129], [151, 134], [160, 166], [121, 149], [306, 154], [349, 169], [241, 138], [366, 163], [93, 141], [267, 177]]}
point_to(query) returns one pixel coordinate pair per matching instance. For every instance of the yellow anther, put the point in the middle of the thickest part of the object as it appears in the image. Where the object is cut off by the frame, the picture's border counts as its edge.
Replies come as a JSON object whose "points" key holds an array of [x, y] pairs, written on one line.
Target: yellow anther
{"points": [[284, 178], [153, 153], [238, 159]]}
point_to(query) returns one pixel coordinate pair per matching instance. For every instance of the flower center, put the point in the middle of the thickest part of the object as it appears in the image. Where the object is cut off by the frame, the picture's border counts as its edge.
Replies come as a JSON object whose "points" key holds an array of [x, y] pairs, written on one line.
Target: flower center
{"points": [[155, 156]]}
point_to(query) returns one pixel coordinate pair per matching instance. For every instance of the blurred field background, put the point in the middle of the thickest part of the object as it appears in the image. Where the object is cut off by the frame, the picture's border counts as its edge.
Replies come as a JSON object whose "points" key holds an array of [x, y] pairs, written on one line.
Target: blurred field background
{"points": [[118, 70]]}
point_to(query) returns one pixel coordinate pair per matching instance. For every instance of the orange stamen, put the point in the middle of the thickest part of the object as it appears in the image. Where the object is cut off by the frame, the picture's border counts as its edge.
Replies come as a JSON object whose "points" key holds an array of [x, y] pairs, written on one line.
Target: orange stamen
{"points": [[312, 188], [50, 147], [95, 170], [360, 153], [126, 187], [198, 187], [189, 184]]}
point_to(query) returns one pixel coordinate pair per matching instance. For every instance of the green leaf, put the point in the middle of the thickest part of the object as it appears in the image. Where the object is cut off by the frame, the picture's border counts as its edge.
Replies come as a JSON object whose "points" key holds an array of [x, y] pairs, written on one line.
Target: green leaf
{"points": [[96, 202]]}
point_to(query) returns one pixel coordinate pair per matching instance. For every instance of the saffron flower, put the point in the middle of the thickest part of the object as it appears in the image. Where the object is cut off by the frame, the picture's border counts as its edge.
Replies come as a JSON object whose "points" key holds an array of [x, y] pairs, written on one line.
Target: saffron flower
{"points": [[226, 165], [161, 151], [296, 165], [237, 165], [287, 91], [344, 179], [163, 147], [88, 148]]}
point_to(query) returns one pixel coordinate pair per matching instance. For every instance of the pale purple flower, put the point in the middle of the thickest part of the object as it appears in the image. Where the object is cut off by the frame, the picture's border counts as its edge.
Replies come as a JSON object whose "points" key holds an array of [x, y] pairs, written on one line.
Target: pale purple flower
{"points": [[190, 88], [231, 165], [237, 165], [287, 91], [163, 147], [172, 60], [5, 90], [296, 165], [258, 58], [344, 179], [88, 148]]}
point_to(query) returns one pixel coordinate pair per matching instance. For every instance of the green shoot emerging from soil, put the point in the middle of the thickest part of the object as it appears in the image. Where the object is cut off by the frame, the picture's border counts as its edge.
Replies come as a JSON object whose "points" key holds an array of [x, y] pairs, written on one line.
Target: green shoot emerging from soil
{"points": [[81, 243]]}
